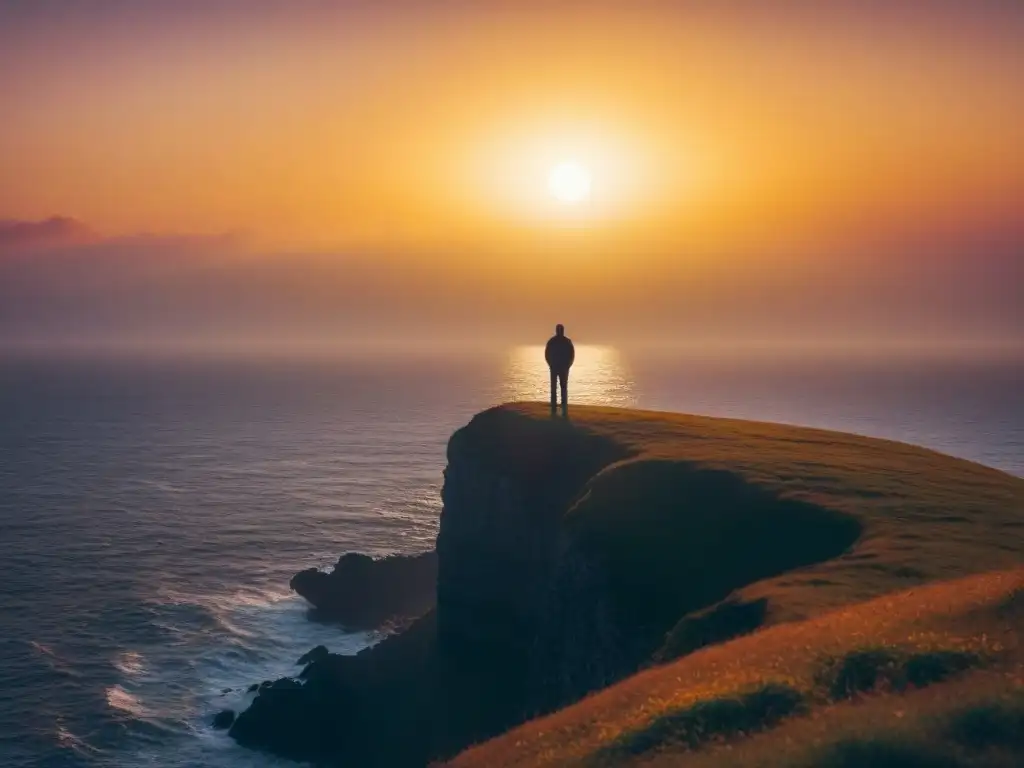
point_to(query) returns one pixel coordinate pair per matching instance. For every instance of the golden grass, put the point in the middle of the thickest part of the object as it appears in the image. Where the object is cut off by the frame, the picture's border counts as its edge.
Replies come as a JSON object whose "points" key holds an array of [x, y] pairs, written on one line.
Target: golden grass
{"points": [[981, 615], [915, 726]]}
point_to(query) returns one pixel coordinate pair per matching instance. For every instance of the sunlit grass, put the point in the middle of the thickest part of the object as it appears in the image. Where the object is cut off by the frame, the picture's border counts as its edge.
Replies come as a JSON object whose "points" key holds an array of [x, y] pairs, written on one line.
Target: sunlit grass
{"points": [[922, 640]]}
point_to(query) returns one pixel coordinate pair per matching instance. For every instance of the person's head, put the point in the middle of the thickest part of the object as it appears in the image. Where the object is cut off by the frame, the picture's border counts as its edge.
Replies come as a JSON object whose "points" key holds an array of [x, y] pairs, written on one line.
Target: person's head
{"points": [[559, 330]]}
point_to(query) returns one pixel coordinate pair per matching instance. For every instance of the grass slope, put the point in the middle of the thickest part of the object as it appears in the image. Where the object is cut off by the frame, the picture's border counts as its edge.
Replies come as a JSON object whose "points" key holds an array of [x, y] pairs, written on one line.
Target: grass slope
{"points": [[927, 677], [711, 528], [791, 521]]}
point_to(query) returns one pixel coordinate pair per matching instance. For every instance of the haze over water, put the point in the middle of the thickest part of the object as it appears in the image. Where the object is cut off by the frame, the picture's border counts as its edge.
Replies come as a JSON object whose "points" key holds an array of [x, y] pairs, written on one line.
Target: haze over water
{"points": [[154, 508]]}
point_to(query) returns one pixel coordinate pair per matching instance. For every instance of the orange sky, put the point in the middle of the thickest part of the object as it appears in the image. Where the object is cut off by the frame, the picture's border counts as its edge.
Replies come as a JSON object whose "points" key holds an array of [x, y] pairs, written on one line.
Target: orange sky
{"points": [[719, 137], [412, 127]]}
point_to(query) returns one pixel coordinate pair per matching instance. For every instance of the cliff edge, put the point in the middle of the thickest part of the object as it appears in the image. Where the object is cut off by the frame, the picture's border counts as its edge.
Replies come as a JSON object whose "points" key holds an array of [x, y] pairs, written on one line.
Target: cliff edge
{"points": [[571, 553]]}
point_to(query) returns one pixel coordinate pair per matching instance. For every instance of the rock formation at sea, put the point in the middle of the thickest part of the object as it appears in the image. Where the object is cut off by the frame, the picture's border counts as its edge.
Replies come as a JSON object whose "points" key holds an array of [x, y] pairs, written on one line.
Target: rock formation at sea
{"points": [[363, 593]]}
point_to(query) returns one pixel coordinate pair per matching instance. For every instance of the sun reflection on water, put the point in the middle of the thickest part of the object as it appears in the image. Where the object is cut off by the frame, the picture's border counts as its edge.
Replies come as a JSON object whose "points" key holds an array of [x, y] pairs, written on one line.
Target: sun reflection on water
{"points": [[598, 377]]}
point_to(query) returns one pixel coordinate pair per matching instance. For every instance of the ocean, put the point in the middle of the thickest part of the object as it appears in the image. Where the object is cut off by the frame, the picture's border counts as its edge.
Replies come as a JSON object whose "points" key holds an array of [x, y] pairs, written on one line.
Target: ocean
{"points": [[153, 507]]}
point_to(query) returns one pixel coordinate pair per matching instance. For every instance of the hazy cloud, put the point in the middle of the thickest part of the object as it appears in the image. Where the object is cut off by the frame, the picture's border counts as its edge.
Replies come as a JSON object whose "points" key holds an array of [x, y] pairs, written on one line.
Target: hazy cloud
{"points": [[200, 288], [48, 233]]}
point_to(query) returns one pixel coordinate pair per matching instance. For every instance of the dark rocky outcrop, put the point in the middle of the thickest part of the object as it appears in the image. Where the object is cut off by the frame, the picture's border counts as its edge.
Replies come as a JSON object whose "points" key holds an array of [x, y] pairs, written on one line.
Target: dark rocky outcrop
{"points": [[316, 654], [224, 719], [363, 593], [369, 709]]}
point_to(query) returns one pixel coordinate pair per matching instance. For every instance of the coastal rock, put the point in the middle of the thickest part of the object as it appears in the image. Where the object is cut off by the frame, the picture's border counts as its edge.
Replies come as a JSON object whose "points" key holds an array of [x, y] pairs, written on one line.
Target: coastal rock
{"points": [[294, 719], [363, 593], [330, 711], [315, 654], [224, 719]]}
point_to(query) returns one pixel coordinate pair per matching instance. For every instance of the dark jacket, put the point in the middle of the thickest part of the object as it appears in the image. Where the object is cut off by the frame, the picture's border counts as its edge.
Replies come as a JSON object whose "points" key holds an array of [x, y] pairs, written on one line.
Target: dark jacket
{"points": [[559, 353]]}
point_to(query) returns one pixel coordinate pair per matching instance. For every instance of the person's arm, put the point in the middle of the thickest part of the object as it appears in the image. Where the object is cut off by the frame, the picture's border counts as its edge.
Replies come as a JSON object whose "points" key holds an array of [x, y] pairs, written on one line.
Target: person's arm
{"points": [[547, 353], [572, 352]]}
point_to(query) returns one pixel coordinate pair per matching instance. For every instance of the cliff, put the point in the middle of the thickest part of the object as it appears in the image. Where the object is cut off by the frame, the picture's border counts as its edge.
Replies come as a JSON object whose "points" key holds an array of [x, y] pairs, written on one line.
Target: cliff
{"points": [[572, 553]]}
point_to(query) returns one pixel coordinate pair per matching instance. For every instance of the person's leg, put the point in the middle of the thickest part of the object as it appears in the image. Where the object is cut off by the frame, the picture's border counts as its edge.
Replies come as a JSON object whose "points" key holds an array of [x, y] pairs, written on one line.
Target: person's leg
{"points": [[554, 402], [565, 389]]}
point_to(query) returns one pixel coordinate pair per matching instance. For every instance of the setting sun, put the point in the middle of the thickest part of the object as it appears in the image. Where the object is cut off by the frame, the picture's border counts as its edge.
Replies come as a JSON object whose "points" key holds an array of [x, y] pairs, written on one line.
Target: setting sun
{"points": [[569, 182]]}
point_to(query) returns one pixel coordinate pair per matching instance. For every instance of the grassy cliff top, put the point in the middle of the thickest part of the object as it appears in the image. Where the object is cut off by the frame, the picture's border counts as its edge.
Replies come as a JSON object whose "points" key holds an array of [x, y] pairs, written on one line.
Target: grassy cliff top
{"points": [[687, 509]]}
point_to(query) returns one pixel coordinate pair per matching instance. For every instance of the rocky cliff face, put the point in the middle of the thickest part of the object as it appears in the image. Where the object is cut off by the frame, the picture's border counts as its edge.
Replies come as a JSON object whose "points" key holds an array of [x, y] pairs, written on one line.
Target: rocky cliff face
{"points": [[512, 584], [521, 624]]}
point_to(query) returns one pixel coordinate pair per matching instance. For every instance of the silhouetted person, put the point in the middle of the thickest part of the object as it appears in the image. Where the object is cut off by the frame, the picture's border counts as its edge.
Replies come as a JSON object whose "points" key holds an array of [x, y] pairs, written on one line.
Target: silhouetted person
{"points": [[560, 354]]}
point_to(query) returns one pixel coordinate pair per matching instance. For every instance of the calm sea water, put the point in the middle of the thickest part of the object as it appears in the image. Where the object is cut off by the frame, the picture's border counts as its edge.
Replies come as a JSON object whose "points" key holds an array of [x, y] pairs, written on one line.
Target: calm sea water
{"points": [[153, 509]]}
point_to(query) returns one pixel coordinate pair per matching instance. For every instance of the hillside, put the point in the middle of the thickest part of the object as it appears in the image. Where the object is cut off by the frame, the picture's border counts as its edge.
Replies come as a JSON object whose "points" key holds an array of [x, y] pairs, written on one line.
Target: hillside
{"points": [[691, 490], [928, 677], [574, 553]]}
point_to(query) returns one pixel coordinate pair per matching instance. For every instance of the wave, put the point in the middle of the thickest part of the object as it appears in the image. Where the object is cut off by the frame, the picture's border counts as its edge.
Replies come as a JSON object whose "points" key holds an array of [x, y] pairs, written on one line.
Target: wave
{"points": [[129, 663], [120, 699], [67, 740], [56, 662], [223, 643]]}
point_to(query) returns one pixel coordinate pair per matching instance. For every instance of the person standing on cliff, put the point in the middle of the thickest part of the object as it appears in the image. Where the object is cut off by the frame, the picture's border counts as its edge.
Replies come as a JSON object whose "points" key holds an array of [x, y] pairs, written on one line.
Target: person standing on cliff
{"points": [[560, 354]]}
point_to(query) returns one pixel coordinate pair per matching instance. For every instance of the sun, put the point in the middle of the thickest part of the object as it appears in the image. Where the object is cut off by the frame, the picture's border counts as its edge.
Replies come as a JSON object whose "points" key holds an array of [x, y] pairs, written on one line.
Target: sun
{"points": [[569, 182]]}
